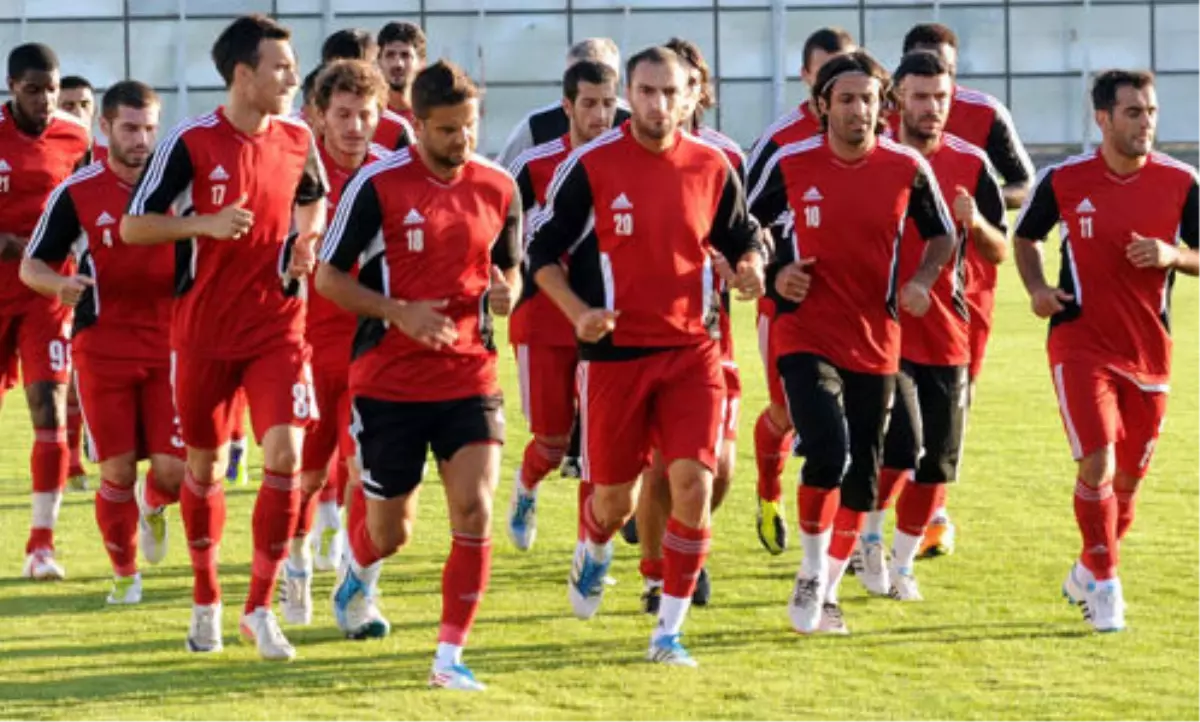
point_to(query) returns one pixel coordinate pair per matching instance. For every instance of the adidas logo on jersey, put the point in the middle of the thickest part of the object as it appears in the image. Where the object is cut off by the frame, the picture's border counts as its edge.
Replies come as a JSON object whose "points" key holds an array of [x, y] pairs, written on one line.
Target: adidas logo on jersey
{"points": [[414, 218], [812, 195], [1085, 206], [104, 220], [4, 166], [622, 203], [218, 174]]}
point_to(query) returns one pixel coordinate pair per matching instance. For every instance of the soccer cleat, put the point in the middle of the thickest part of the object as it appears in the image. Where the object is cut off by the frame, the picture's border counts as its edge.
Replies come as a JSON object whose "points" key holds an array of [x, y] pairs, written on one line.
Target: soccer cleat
{"points": [[938, 540], [522, 516], [903, 584], [832, 620], [854, 565], [261, 628], [667, 650], [205, 633], [572, 467], [652, 597], [629, 531], [455, 677], [703, 591], [804, 606], [41, 566], [1106, 600], [236, 472], [126, 590], [152, 526], [355, 607], [585, 585], [1074, 590], [77, 480], [772, 527], [297, 595], [874, 572]]}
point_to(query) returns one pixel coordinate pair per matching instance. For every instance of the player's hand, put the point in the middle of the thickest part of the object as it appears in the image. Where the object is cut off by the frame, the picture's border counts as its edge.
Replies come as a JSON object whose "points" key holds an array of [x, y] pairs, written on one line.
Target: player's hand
{"points": [[231, 222], [1150, 252], [595, 324], [793, 280], [914, 298], [12, 247], [425, 323], [750, 281], [304, 255], [500, 298], [1048, 300], [71, 289], [965, 210]]}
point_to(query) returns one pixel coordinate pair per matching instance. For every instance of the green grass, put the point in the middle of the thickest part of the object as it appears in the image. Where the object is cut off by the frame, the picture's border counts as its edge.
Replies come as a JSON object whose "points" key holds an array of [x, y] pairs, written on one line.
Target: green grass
{"points": [[994, 639]]}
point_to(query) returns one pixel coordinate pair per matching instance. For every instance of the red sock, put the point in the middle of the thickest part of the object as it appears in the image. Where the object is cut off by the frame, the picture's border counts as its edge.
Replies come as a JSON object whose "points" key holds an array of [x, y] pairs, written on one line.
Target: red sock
{"points": [[329, 492], [539, 460], [584, 500], [916, 506], [307, 514], [48, 467], [203, 511], [771, 448], [596, 532], [1126, 501], [276, 512], [464, 580], [1096, 514], [652, 569], [74, 431], [891, 481], [363, 550], [684, 552], [816, 508], [847, 523], [117, 517], [356, 515], [155, 495]]}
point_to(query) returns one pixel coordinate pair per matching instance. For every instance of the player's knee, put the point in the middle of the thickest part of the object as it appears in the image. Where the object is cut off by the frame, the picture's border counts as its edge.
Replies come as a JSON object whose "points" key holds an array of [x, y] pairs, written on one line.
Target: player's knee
{"points": [[474, 515], [1098, 467], [312, 482], [167, 474], [779, 416], [282, 459], [612, 506], [47, 404], [121, 473], [825, 465]]}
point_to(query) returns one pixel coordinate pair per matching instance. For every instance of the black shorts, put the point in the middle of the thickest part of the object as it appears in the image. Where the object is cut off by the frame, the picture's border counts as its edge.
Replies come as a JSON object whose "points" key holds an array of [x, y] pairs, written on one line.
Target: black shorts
{"points": [[928, 422], [394, 437], [840, 417]]}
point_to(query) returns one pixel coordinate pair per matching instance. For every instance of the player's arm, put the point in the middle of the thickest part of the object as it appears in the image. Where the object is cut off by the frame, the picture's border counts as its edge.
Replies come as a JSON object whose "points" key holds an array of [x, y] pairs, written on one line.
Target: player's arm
{"points": [[519, 141], [308, 217], [52, 240], [525, 191], [506, 261], [933, 221], [1008, 156], [982, 213], [737, 236], [1189, 260], [787, 277], [1037, 218]]}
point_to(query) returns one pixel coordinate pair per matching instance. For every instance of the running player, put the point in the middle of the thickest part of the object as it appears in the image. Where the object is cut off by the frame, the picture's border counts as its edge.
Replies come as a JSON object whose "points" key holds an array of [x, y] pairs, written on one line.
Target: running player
{"points": [[120, 349], [438, 231], [848, 193], [250, 172], [642, 298], [401, 57], [349, 44], [773, 437], [541, 335], [1122, 210], [39, 147]]}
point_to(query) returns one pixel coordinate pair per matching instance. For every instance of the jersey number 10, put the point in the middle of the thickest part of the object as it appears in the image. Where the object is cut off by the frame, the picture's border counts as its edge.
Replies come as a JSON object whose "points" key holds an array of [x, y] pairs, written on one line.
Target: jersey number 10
{"points": [[812, 216]]}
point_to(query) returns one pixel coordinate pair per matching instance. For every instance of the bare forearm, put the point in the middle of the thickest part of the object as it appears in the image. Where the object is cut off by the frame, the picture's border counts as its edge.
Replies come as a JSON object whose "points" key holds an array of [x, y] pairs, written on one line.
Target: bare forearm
{"points": [[344, 290], [309, 219], [513, 278], [154, 228], [938, 251], [1030, 264], [1188, 262], [552, 280], [990, 241], [40, 277]]}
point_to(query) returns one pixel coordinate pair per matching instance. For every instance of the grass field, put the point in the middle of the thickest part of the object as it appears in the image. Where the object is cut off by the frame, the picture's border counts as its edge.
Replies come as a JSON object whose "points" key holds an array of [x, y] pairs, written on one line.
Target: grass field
{"points": [[994, 640]]}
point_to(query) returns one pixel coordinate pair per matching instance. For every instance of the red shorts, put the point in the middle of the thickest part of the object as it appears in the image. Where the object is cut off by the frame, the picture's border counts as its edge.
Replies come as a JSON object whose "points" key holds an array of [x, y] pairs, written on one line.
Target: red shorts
{"points": [[332, 431], [978, 334], [41, 339], [670, 400], [769, 358], [546, 376], [128, 408], [731, 410], [1101, 408], [278, 386]]}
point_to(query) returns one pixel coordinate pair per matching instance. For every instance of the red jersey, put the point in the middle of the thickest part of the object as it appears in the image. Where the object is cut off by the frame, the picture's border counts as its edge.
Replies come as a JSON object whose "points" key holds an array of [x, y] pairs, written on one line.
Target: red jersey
{"points": [[985, 123], [849, 217], [235, 303], [329, 329], [99, 152], [940, 337], [639, 227], [421, 238], [405, 113], [30, 168], [126, 314], [394, 131], [537, 320], [1119, 318]]}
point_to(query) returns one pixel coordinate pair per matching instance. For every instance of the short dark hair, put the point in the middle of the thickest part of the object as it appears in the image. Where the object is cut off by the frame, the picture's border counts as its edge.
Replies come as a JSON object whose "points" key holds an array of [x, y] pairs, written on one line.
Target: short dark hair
{"points": [[309, 84], [403, 32], [929, 35], [1106, 85], [586, 71], [441, 84], [655, 54], [857, 62], [238, 43], [360, 77], [31, 57], [923, 63], [74, 82], [130, 94], [349, 44], [831, 40], [691, 54]]}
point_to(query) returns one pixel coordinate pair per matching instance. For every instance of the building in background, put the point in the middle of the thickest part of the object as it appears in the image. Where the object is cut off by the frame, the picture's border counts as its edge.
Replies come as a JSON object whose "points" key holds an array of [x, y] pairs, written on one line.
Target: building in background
{"points": [[1033, 54]]}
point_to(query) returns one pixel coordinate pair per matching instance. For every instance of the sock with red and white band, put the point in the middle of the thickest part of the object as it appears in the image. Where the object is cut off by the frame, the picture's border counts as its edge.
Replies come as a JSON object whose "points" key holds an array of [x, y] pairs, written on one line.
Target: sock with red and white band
{"points": [[597, 535], [156, 497], [685, 549], [1096, 515], [914, 511], [816, 508], [276, 511], [203, 510], [846, 526], [538, 461], [1126, 504], [117, 518], [48, 467], [464, 580], [74, 438], [771, 448]]}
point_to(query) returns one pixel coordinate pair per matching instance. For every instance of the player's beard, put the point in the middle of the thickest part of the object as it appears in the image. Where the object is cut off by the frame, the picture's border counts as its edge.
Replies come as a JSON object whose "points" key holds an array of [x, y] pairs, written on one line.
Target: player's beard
{"points": [[655, 131], [400, 86], [126, 158], [914, 129], [449, 161]]}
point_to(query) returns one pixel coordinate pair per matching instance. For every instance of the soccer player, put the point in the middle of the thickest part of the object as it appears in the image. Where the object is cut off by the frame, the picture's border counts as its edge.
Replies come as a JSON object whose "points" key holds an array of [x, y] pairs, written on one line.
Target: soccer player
{"points": [[773, 437], [542, 337], [40, 147], [348, 97], [349, 44], [984, 122], [848, 193], [1123, 210], [549, 122], [77, 97], [639, 210], [251, 173], [437, 229], [402, 50], [925, 434], [120, 348]]}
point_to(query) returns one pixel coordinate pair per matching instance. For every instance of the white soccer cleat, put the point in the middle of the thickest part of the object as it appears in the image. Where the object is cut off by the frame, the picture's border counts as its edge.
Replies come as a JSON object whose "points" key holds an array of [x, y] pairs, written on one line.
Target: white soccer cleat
{"points": [[804, 606], [355, 607], [668, 650], [522, 515], [585, 584], [262, 629], [41, 566], [297, 595], [455, 677], [205, 633], [874, 573], [126, 590], [832, 620], [1106, 601], [152, 527], [1074, 589], [904, 586]]}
